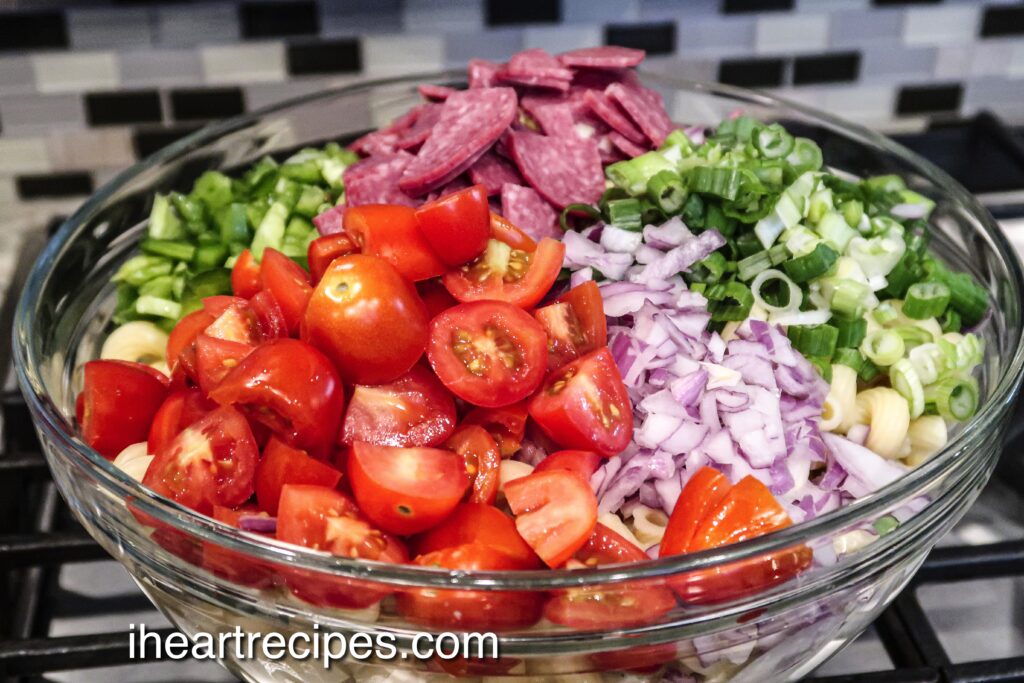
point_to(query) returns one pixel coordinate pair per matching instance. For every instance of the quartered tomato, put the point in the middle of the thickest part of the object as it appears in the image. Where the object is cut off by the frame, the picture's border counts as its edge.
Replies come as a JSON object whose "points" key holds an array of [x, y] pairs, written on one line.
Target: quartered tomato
{"points": [[212, 462], [368, 319], [119, 399], [233, 565], [575, 324], [483, 524], [323, 250], [710, 514], [583, 463], [503, 230], [215, 358], [291, 388], [488, 353], [184, 334], [457, 225], [405, 490], [506, 425], [482, 460], [270, 322], [503, 273], [321, 518], [233, 319], [611, 606], [556, 512], [584, 406], [414, 410], [469, 610], [245, 275], [435, 297], [289, 284], [281, 465], [182, 408], [392, 233]]}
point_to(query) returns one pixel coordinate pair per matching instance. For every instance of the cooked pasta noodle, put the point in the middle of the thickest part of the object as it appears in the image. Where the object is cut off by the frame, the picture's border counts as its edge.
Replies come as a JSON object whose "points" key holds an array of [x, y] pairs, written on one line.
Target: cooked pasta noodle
{"points": [[927, 435], [615, 523], [511, 469], [138, 341], [841, 400], [134, 460], [648, 525], [888, 415]]}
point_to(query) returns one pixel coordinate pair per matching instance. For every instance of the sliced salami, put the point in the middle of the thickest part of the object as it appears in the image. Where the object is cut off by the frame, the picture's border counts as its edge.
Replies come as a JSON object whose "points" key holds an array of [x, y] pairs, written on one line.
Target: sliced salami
{"points": [[435, 93], [645, 107], [563, 170], [471, 121], [374, 180], [493, 171], [533, 81], [330, 221], [625, 145], [528, 211], [537, 62], [606, 57], [610, 113], [553, 114], [384, 140], [482, 74], [427, 117]]}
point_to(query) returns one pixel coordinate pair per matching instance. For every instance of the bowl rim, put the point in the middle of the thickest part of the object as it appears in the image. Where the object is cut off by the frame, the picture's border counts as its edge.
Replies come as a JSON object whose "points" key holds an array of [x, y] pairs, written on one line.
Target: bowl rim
{"points": [[120, 484]]}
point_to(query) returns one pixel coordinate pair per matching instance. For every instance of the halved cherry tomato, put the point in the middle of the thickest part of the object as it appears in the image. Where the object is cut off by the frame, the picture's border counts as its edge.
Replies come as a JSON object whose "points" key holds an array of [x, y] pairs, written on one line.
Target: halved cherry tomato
{"points": [[501, 273], [184, 334], [479, 523], [467, 609], [414, 410], [435, 297], [182, 408], [584, 406], [368, 319], [482, 461], [457, 225], [645, 659], [119, 401], [291, 388], [720, 515], [289, 284], [392, 233], [325, 249], [556, 512], [231, 564], [575, 324], [405, 490], [233, 319], [503, 230], [615, 605], [324, 519], [506, 425], [215, 358], [245, 275], [583, 463], [282, 464], [270, 322], [488, 352], [212, 462]]}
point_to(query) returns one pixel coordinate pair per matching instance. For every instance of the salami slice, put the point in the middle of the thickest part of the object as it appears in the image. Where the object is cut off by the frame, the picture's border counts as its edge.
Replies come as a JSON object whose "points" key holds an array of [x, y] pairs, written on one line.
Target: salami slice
{"points": [[537, 62], [533, 80], [609, 112], [528, 211], [435, 93], [374, 180], [607, 57], [553, 114], [482, 74], [384, 140], [493, 171], [645, 107], [625, 145], [330, 221], [563, 170], [471, 121]]}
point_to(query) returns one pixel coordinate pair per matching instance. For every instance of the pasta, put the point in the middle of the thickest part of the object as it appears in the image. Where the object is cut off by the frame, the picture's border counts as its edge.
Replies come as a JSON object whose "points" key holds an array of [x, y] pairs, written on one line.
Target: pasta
{"points": [[615, 523], [134, 460], [511, 469], [840, 411], [888, 415], [927, 435], [137, 341], [648, 525]]}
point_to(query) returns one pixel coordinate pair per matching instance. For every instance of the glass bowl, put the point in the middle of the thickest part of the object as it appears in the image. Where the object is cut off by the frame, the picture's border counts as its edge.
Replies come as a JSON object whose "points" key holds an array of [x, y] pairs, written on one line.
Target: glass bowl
{"points": [[208, 578]]}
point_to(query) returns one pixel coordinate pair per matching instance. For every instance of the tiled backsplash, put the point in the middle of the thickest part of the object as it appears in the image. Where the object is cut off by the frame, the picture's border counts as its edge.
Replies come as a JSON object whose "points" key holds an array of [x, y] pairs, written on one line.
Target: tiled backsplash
{"points": [[87, 88]]}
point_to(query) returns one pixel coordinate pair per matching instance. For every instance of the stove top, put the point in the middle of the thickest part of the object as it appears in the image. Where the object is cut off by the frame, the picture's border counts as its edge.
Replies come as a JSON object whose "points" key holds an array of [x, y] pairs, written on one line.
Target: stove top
{"points": [[65, 606]]}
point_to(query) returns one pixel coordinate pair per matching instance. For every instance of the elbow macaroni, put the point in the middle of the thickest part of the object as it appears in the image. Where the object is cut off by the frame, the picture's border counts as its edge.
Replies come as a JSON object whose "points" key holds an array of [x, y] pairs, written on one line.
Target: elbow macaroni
{"points": [[888, 416], [927, 435], [139, 342], [648, 525], [615, 523], [840, 412]]}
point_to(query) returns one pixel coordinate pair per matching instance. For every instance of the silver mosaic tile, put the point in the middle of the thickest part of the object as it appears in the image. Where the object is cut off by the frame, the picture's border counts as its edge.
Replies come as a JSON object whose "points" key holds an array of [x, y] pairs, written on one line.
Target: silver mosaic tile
{"points": [[356, 17], [104, 28], [16, 75], [600, 10], [189, 25], [787, 33], [495, 45], [855, 29], [89, 149], [35, 114], [718, 35], [561, 38], [898, 63], [243, 63], [395, 54], [955, 24], [450, 16], [75, 71], [160, 67]]}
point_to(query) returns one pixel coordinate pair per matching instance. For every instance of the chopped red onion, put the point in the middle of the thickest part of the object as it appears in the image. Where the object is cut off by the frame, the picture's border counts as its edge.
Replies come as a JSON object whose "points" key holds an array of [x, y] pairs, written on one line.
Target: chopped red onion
{"points": [[260, 524]]}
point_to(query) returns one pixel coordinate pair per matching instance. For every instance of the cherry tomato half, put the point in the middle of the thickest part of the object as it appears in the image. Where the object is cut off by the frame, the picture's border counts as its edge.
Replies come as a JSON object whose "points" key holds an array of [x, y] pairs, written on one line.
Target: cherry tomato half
{"points": [[212, 462], [479, 523], [368, 320], [457, 225], [182, 408], [584, 406], [556, 512], [506, 425], [575, 324], [184, 334], [289, 284], [435, 297], [488, 352], [482, 460], [119, 400], [502, 273], [583, 463], [392, 233], [325, 249], [414, 410], [270, 322], [503, 230], [282, 464], [405, 490], [245, 275], [215, 358], [291, 388]]}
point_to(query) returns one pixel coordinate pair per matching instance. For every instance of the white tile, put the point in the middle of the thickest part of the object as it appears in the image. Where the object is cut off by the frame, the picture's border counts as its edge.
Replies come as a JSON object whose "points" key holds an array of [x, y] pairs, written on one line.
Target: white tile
{"points": [[16, 75], [599, 10], [442, 17], [30, 115], [561, 38], [156, 67], [91, 149], [992, 58], [24, 155], [791, 33], [196, 23], [860, 103], [109, 27], [393, 54], [1016, 66], [249, 63], [954, 61], [941, 25], [831, 5], [76, 71]]}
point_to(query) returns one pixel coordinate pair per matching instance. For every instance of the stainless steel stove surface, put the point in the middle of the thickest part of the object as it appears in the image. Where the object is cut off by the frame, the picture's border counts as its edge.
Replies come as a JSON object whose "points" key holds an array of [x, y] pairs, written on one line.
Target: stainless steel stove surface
{"points": [[960, 621]]}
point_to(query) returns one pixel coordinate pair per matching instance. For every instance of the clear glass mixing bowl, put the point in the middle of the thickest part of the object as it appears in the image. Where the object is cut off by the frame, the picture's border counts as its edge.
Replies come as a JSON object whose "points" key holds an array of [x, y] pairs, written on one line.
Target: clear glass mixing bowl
{"points": [[189, 566]]}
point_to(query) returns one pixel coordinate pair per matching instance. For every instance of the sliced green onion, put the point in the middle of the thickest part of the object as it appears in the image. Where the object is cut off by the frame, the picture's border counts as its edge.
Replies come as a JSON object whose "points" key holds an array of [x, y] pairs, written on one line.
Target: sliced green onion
{"points": [[591, 214], [667, 191], [965, 295], [747, 243], [729, 301], [773, 142], [794, 291], [851, 332], [709, 270], [751, 266], [906, 272], [950, 321], [883, 347], [633, 174], [885, 314], [929, 361], [819, 340], [926, 300], [809, 266], [823, 364], [849, 298], [953, 398], [805, 156], [913, 336], [849, 357], [905, 381], [720, 182], [969, 352], [624, 213], [868, 371], [852, 211], [834, 229], [173, 249]]}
